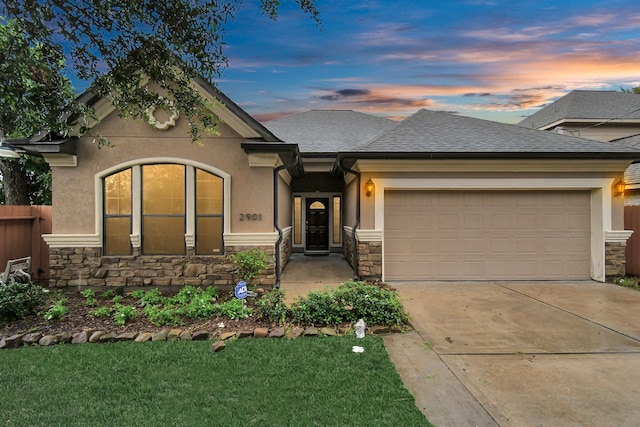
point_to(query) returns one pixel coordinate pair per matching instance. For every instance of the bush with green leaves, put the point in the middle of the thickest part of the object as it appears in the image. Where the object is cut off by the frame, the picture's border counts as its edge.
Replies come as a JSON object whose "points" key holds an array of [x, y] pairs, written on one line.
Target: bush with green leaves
{"points": [[163, 316], [249, 264], [272, 307], [108, 294], [190, 301], [235, 309], [151, 297], [123, 313], [18, 300], [349, 302], [58, 310], [90, 297], [103, 311]]}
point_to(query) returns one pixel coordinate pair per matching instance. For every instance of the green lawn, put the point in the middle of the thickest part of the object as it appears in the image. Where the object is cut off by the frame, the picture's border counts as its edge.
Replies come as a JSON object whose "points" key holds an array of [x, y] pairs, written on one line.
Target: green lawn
{"points": [[259, 382]]}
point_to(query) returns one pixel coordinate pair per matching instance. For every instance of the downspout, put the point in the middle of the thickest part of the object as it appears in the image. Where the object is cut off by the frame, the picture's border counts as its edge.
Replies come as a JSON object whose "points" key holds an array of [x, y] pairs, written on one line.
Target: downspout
{"points": [[342, 169], [276, 222]]}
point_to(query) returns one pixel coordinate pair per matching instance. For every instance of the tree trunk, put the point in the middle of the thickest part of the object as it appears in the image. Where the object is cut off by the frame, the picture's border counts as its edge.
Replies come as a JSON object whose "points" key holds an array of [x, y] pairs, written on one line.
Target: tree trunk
{"points": [[14, 182]]}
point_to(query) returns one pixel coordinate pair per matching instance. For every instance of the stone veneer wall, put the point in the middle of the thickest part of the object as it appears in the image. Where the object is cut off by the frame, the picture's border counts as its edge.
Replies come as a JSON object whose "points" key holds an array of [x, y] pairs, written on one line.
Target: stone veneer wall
{"points": [[347, 246], [285, 251], [614, 259], [82, 267], [370, 261]]}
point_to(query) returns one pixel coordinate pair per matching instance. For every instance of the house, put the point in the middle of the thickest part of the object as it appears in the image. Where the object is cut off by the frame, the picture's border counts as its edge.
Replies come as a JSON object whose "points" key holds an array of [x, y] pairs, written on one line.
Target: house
{"points": [[434, 197], [591, 114]]}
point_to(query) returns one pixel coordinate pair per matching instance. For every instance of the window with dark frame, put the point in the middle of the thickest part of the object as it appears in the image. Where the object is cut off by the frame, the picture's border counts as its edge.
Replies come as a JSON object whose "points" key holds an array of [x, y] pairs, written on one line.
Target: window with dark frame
{"points": [[163, 197]]}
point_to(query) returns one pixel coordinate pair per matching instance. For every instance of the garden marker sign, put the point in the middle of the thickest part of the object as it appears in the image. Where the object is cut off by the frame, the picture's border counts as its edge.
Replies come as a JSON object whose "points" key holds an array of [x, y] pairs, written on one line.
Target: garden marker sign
{"points": [[241, 293], [241, 290]]}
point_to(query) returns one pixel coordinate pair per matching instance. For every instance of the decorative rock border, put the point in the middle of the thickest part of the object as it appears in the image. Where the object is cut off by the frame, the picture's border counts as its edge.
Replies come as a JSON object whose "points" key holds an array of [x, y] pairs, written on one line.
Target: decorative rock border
{"points": [[99, 336]]}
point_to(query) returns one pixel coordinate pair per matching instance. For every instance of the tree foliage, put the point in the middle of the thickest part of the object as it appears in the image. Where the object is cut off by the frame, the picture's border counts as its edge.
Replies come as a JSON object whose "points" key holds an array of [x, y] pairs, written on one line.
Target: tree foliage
{"points": [[119, 44], [34, 95], [34, 92]]}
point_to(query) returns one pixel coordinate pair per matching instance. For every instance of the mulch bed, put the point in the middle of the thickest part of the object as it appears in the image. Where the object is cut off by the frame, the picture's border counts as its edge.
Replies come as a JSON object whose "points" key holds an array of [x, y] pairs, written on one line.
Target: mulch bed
{"points": [[78, 319]]}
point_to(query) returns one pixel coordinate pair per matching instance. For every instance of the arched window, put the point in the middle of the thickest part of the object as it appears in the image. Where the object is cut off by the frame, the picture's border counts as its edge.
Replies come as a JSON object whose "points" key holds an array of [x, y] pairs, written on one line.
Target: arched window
{"points": [[161, 200]]}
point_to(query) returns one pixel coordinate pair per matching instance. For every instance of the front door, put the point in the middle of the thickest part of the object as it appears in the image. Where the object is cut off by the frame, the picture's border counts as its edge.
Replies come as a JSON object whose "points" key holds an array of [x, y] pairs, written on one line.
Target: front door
{"points": [[317, 227]]}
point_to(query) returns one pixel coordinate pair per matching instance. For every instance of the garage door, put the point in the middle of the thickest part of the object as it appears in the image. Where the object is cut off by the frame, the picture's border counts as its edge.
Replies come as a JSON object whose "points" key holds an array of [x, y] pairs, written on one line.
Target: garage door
{"points": [[486, 235]]}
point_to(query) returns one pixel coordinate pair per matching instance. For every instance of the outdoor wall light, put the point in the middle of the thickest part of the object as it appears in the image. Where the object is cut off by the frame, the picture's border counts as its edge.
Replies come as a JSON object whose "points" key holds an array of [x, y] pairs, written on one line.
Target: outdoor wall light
{"points": [[369, 186], [618, 188]]}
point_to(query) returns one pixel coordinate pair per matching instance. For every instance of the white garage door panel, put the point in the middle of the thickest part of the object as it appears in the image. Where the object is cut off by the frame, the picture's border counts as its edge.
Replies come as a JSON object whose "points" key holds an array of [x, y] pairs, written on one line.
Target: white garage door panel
{"points": [[487, 235]]}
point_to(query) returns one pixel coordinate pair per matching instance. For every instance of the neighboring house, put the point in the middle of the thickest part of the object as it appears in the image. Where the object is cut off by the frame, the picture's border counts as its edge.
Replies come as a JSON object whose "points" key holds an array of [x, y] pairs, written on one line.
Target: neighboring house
{"points": [[434, 197], [591, 114], [606, 116]]}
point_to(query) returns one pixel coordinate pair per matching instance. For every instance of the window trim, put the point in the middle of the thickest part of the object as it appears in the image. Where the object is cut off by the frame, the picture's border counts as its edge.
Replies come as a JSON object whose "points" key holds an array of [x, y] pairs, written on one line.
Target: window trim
{"points": [[136, 201]]}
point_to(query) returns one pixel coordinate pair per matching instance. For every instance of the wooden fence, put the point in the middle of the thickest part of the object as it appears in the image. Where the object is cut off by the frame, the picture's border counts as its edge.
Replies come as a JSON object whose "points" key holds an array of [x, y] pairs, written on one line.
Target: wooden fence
{"points": [[21, 230], [632, 222]]}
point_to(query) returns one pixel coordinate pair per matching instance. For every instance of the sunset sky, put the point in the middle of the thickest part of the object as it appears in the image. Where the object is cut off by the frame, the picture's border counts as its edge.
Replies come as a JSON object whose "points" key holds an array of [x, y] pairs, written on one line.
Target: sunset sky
{"points": [[498, 60]]}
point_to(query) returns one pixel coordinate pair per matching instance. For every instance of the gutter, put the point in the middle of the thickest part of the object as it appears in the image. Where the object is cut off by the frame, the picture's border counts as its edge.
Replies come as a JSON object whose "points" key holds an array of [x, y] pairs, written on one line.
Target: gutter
{"points": [[343, 169], [276, 222]]}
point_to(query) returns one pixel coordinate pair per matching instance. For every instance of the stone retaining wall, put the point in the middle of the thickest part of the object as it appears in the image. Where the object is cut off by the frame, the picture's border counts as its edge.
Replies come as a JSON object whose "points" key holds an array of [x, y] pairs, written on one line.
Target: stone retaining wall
{"points": [[97, 336], [82, 267]]}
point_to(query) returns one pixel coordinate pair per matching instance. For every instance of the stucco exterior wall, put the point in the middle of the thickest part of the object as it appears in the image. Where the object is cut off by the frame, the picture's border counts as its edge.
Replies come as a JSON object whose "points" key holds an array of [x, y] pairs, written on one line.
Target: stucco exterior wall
{"points": [[284, 202], [76, 240], [74, 200], [349, 203]]}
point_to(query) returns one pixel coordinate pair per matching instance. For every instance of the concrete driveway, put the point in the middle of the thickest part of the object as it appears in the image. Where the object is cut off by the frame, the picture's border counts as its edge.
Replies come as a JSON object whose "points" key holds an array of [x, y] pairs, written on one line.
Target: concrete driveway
{"points": [[521, 354]]}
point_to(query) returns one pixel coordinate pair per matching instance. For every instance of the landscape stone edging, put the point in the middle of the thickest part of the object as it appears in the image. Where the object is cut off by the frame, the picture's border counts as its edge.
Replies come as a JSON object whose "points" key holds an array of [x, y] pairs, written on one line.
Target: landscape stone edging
{"points": [[176, 334]]}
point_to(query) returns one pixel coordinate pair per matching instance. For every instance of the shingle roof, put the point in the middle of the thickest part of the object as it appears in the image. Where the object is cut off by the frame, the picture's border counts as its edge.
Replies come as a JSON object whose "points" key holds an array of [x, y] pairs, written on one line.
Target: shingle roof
{"points": [[595, 106], [432, 133], [328, 131]]}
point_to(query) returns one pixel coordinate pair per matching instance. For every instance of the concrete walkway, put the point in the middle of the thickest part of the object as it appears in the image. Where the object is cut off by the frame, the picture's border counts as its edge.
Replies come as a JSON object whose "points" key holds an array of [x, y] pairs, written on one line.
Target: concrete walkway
{"points": [[304, 274], [509, 354]]}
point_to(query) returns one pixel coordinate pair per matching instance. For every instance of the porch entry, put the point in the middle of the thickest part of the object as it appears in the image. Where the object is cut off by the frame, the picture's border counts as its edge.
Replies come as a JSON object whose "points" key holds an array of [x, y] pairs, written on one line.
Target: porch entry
{"points": [[317, 223]]}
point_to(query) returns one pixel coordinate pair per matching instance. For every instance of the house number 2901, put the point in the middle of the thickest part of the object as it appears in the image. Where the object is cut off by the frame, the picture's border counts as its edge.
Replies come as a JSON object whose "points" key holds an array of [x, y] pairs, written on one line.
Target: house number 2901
{"points": [[250, 217]]}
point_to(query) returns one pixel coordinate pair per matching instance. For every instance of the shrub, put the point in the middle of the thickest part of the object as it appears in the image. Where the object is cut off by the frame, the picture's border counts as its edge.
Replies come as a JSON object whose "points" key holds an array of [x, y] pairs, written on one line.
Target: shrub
{"points": [[18, 300], [58, 310], [272, 307], [349, 302], [109, 293], [123, 313], [100, 312], [235, 309], [319, 307], [137, 294], [202, 307], [90, 297], [152, 297], [249, 264], [163, 316]]}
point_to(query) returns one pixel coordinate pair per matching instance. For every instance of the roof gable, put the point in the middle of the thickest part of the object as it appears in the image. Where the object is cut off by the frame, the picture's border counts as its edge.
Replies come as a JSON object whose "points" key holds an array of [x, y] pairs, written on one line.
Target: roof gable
{"points": [[587, 106], [223, 107]]}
